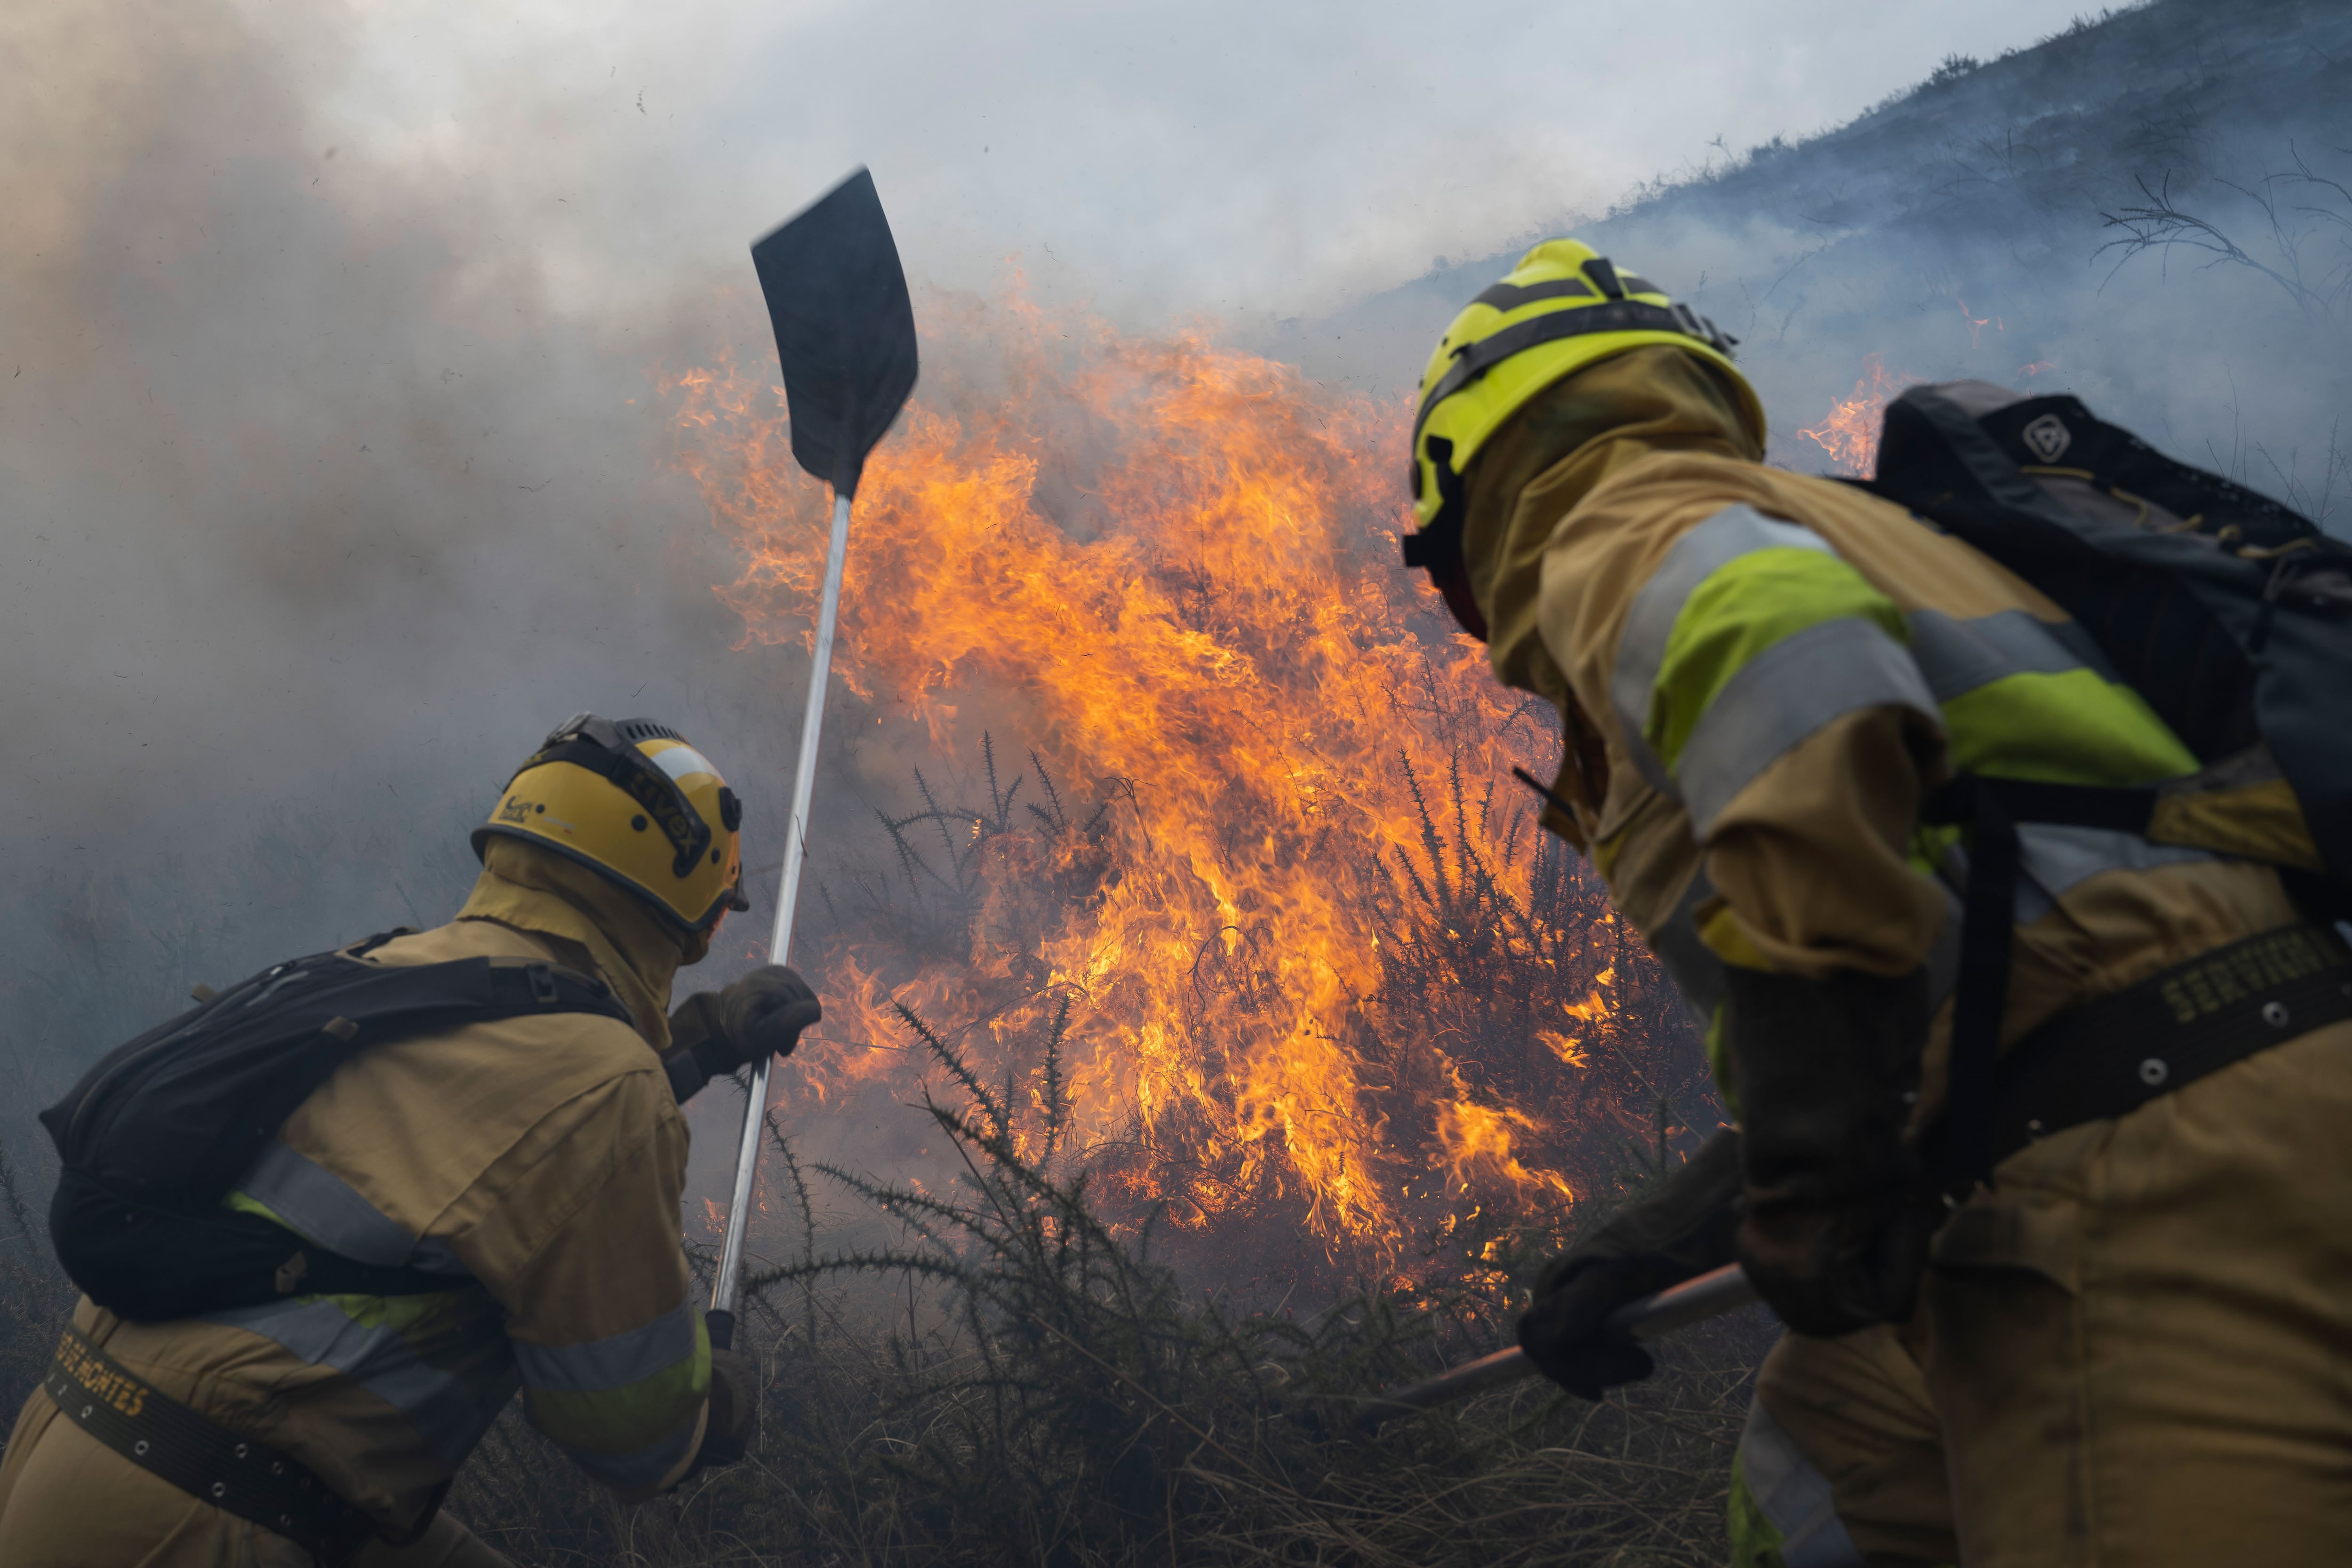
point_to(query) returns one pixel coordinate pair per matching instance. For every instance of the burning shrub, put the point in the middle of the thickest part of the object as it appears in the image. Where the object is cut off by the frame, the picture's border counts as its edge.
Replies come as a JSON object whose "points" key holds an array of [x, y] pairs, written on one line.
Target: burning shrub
{"points": [[1511, 1033], [1304, 1003]]}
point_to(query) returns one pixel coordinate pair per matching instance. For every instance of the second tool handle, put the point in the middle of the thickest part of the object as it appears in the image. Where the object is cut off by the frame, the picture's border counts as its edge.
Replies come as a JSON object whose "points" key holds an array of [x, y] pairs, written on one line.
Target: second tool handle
{"points": [[1709, 1294]]}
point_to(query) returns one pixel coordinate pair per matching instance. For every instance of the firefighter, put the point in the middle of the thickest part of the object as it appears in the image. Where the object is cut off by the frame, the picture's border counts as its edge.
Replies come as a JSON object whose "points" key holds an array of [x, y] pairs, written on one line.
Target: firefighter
{"points": [[2128, 1344], [536, 1161]]}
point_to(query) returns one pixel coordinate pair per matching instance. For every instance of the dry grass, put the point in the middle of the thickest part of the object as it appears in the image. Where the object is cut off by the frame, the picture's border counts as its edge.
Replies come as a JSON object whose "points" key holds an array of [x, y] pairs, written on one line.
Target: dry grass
{"points": [[1017, 1382]]}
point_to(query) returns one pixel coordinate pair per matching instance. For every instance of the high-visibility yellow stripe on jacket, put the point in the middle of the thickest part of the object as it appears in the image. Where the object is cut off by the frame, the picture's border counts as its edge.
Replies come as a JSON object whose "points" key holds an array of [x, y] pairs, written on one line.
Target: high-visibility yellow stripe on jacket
{"points": [[1754, 634]]}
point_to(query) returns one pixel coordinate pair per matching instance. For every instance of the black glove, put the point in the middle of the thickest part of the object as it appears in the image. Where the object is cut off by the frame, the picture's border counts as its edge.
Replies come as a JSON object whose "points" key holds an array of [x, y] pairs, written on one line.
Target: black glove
{"points": [[1839, 1214], [716, 1032], [734, 1419], [1683, 1229]]}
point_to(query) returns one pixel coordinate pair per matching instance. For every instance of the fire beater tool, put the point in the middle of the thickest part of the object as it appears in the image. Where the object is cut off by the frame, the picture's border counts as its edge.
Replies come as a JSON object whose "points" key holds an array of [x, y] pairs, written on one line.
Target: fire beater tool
{"points": [[846, 338], [1710, 1295]]}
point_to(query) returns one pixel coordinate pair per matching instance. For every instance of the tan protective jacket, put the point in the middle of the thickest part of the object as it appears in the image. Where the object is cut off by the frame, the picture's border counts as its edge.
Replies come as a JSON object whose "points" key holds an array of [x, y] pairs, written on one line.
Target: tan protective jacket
{"points": [[1761, 674], [539, 1162]]}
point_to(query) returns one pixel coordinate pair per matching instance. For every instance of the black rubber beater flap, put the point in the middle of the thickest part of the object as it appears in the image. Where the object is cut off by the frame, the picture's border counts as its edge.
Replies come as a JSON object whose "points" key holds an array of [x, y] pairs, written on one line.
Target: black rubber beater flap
{"points": [[845, 327]]}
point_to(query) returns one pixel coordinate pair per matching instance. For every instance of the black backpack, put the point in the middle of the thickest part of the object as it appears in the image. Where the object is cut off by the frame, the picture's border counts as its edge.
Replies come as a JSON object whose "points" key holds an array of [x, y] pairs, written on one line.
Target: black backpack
{"points": [[2229, 614], [155, 1135]]}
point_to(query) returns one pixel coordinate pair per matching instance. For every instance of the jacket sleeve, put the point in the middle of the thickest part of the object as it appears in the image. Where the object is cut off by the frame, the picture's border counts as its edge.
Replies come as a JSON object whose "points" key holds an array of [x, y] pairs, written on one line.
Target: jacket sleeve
{"points": [[1761, 680], [581, 1249]]}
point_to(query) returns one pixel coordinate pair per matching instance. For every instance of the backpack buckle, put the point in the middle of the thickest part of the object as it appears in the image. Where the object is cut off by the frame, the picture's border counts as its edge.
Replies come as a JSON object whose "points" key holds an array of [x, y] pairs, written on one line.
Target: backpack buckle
{"points": [[542, 982]]}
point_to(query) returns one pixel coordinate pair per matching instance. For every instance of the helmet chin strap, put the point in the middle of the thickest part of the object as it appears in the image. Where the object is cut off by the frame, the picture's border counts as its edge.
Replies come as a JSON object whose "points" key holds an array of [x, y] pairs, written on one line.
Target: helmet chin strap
{"points": [[1437, 549], [1455, 585]]}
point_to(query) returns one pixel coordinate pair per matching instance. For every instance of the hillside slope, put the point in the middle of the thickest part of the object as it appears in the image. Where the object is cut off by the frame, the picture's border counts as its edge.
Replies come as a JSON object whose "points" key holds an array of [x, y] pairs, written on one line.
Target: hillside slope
{"points": [[1959, 230]]}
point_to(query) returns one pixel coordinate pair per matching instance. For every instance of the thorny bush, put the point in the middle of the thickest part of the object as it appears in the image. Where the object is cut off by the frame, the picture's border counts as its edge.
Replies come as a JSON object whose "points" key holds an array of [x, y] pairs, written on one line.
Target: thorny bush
{"points": [[1057, 1396]]}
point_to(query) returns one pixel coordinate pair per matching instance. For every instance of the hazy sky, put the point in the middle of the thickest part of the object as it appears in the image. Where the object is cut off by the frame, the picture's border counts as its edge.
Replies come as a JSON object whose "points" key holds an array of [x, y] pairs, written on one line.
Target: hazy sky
{"points": [[1217, 154]]}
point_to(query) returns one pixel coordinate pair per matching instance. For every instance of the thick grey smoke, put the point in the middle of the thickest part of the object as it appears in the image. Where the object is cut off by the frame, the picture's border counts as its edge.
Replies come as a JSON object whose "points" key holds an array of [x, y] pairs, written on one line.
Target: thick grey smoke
{"points": [[301, 481], [320, 506]]}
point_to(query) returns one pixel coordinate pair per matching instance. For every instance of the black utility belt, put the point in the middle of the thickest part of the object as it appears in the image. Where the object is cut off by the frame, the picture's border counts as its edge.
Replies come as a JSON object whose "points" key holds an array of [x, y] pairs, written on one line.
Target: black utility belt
{"points": [[2108, 1058], [207, 1461]]}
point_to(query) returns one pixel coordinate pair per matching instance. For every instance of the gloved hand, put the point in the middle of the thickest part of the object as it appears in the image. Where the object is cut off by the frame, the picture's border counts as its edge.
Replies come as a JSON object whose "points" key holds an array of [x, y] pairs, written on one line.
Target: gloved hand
{"points": [[1683, 1229], [1838, 1212], [734, 1416], [716, 1032]]}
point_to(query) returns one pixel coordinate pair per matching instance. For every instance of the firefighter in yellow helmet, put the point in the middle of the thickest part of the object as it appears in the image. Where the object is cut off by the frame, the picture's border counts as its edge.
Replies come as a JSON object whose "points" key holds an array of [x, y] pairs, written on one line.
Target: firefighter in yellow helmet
{"points": [[531, 1169], [2128, 1344]]}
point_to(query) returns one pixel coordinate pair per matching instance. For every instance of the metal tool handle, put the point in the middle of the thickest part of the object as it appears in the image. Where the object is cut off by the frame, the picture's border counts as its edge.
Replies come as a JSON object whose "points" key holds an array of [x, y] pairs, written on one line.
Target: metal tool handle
{"points": [[1710, 1295], [729, 1282]]}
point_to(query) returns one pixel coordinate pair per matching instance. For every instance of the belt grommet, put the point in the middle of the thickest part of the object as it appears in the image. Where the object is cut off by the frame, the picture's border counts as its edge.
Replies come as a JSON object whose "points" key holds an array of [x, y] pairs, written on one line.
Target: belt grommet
{"points": [[220, 1488], [86, 1410], [276, 1467], [285, 1521], [2276, 1014], [241, 1450], [2154, 1071], [139, 1449]]}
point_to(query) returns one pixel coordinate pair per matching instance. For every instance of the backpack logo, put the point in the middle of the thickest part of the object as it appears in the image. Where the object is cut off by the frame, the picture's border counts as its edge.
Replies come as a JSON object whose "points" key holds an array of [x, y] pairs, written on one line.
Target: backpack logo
{"points": [[2047, 438]]}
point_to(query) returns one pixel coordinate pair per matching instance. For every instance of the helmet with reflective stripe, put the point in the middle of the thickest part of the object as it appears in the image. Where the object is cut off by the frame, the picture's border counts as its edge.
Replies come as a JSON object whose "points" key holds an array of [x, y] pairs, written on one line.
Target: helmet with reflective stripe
{"points": [[1562, 308], [635, 803]]}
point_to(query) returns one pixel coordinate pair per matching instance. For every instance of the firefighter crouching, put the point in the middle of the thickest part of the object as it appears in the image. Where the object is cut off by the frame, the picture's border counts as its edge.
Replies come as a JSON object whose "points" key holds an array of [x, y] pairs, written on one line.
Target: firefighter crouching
{"points": [[518, 1180], [2129, 1344]]}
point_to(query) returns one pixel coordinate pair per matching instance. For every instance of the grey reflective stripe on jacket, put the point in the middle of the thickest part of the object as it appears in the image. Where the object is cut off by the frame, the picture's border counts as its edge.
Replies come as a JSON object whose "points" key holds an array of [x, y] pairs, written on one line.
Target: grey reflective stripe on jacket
{"points": [[615, 1362], [2053, 860], [1793, 1495], [1958, 657], [606, 1365], [326, 1209], [1734, 531], [1780, 696], [441, 1360], [1784, 694]]}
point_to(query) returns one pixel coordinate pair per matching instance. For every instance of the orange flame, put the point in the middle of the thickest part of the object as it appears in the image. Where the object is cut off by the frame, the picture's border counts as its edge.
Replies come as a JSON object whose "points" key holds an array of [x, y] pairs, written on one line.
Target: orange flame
{"points": [[1477, 1141], [1850, 434], [1173, 566], [1977, 324]]}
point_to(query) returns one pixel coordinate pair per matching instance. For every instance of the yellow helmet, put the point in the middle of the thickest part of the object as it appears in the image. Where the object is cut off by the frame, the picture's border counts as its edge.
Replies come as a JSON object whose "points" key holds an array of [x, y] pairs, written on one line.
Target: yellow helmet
{"points": [[633, 801], [1562, 308]]}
